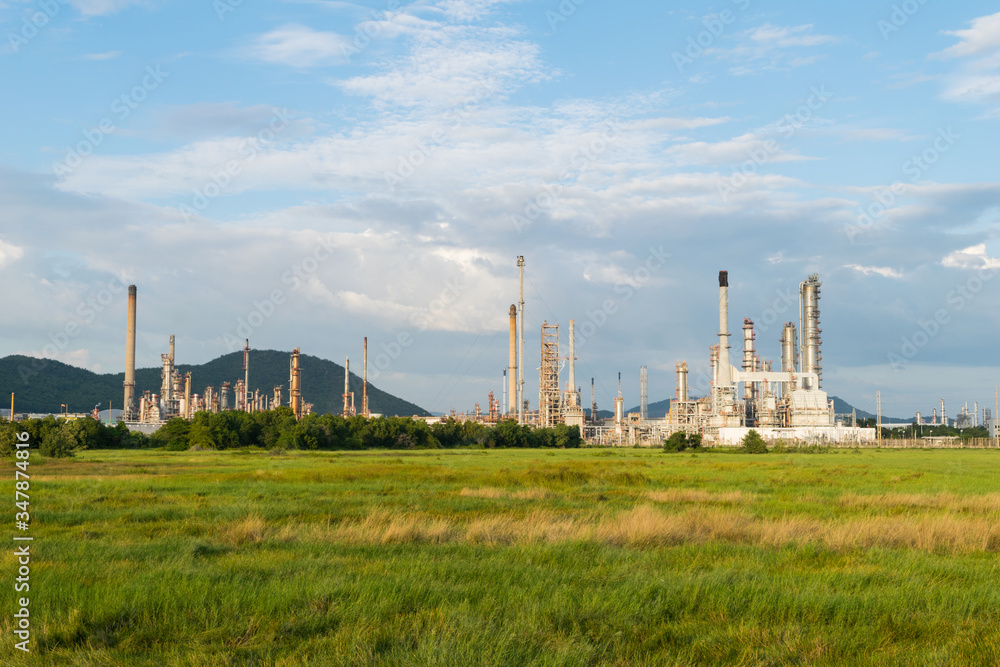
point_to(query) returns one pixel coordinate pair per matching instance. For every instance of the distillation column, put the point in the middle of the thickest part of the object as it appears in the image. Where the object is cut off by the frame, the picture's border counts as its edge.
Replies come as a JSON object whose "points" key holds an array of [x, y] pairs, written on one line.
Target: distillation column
{"points": [[811, 357], [129, 403]]}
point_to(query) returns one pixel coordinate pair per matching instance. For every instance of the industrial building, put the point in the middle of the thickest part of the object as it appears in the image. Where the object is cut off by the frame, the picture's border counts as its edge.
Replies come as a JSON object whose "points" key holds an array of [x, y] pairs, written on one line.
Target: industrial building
{"points": [[779, 404], [177, 400]]}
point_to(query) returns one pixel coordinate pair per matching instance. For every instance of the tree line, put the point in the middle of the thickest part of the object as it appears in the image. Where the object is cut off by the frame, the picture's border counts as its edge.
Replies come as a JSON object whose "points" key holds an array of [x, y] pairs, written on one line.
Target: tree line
{"points": [[278, 429]]}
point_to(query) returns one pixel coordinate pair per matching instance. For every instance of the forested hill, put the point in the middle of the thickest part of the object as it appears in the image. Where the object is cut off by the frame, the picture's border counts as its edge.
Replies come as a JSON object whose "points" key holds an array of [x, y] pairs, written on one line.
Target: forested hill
{"points": [[41, 385]]}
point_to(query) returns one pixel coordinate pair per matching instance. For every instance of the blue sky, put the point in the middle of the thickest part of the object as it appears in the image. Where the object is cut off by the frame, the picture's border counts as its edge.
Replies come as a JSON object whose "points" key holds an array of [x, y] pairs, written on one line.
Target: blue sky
{"points": [[328, 170]]}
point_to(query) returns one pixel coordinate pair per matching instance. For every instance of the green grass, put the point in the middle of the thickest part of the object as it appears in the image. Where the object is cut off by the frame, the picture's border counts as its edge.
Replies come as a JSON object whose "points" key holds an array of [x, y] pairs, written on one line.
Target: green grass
{"points": [[589, 557]]}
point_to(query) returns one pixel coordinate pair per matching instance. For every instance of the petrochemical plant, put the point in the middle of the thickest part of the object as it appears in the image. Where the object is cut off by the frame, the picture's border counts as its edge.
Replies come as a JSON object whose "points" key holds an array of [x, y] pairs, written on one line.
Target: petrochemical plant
{"points": [[779, 403]]}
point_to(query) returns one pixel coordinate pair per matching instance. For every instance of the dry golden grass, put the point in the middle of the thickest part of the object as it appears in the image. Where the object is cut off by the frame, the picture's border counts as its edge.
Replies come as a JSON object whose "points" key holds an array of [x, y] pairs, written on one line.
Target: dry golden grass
{"points": [[647, 526], [984, 504], [495, 493], [249, 529], [700, 496]]}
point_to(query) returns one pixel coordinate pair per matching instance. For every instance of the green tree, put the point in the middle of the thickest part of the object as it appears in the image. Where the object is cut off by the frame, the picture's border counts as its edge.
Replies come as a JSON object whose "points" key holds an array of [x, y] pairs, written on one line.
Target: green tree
{"points": [[753, 443]]}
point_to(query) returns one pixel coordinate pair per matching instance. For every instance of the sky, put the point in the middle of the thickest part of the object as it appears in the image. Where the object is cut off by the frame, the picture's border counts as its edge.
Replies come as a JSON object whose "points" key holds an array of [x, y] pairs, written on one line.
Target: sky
{"points": [[306, 173]]}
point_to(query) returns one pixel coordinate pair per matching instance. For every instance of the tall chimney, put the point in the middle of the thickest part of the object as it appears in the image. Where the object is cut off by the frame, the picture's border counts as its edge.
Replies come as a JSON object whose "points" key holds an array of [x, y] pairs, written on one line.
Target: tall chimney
{"points": [[574, 396], [296, 385], [129, 403], [347, 378], [520, 350], [188, 412], [725, 370], [512, 363], [364, 386], [246, 374], [643, 393]]}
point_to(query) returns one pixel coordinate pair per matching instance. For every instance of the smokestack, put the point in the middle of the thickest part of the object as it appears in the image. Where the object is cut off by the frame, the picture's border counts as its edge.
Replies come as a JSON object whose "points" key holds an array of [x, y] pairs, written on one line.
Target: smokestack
{"points": [[347, 378], [520, 352], [187, 396], [643, 393], [296, 388], [129, 403], [725, 370], [364, 386], [246, 374], [574, 397], [512, 363]]}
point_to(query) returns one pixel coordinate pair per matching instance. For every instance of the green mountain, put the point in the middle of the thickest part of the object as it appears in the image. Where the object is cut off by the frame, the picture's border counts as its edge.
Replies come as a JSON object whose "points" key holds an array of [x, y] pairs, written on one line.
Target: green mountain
{"points": [[41, 385]]}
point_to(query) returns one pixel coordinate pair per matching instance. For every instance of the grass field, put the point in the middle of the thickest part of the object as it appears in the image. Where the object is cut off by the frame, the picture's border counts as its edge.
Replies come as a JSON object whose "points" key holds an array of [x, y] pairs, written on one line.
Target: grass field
{"points": [[512, 557]]}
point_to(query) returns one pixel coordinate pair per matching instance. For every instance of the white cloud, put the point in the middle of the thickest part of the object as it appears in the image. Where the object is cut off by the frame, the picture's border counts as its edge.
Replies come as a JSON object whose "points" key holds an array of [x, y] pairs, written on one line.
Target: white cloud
{"points": [[9, 252], [786, 37], [107, 55], [978, 79], [770, 47], [973, 257], [981, 40], [102, 7], [883, 271], [299, 46], [452, 72]]}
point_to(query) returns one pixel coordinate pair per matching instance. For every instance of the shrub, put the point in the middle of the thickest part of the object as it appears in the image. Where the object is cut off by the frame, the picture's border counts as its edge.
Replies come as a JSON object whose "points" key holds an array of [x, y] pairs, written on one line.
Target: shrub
{"points": [[680, 441], [753, 443], [59, 443]]}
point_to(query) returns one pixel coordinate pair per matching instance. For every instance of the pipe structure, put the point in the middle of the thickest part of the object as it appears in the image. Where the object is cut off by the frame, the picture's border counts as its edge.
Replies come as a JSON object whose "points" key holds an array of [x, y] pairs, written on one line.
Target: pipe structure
{"points": [[574, 396], [129, 384], [364, 386], [512, 363], [520, 353], [347, 380], [187, 396]]}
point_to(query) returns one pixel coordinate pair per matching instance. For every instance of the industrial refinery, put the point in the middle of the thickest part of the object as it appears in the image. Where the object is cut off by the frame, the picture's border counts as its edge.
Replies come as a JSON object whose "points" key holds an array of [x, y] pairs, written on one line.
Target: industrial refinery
{"points": [[779, 404], [784, 403], [177, 400]]}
